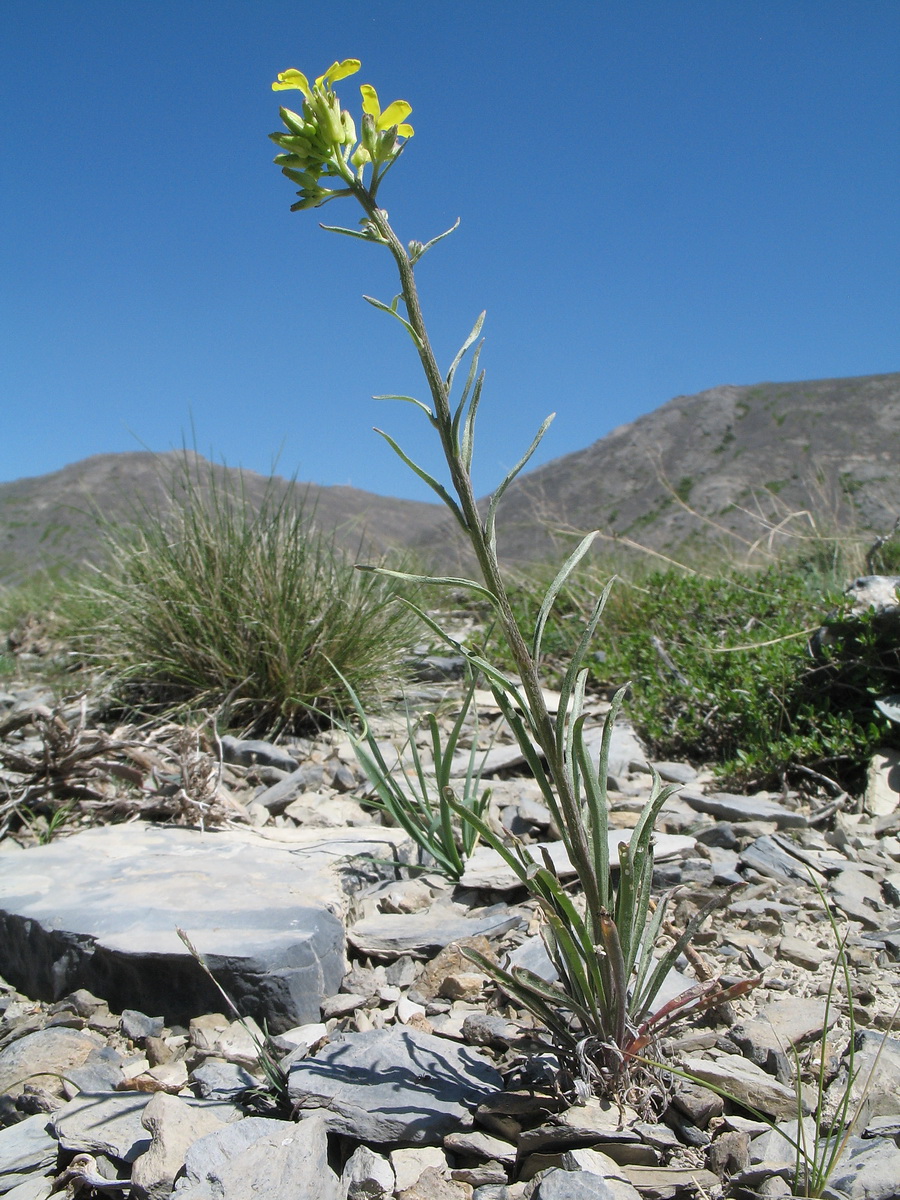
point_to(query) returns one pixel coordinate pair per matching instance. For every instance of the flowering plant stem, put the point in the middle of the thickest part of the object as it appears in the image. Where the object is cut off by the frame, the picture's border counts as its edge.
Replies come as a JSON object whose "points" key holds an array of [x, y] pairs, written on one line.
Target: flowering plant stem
{"points": [[600, 1012], [480, 536]]}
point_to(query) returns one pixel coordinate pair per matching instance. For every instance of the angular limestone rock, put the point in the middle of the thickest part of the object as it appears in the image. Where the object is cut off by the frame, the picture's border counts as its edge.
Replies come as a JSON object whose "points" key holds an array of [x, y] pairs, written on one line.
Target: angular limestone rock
{"points": [[99, 910], [744, 808], [258, 1157], [173, 1126], [486, 869], [56, 1050], [424, 933], [394, 1085], [747, 1083], [26, 1149]]}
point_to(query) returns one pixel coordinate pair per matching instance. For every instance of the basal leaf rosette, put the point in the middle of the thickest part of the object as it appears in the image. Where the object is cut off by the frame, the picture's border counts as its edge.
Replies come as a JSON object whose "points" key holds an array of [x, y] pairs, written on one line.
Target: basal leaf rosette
{"points": [[321, 139]]}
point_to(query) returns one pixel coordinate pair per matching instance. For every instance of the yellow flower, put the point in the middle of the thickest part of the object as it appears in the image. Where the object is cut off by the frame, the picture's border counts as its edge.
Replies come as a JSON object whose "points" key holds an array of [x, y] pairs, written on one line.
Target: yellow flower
{"points": [[297, 81], [394, 115], [322, 138]]}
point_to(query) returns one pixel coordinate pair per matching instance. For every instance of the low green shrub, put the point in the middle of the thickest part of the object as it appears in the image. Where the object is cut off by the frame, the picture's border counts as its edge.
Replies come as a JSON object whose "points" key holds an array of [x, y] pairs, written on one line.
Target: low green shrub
{"points": [[724, 671], [217, 602]]}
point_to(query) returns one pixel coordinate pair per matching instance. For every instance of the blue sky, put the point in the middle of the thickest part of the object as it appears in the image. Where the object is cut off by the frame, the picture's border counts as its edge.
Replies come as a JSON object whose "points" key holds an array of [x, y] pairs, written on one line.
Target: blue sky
{"points": [[656, 197]]}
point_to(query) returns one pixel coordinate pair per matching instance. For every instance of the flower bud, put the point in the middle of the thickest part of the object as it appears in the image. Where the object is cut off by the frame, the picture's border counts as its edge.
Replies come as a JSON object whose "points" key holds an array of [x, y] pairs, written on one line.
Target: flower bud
{"points": [[294, 121], [387, 143], [369, 137], [328, 112], [360, 157], [349, 128]]}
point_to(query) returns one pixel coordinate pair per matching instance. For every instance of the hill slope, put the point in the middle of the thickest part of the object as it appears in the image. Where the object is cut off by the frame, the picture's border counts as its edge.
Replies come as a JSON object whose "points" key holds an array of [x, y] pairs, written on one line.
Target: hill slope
{"points": [[728, 465], [51, 521], [738, 459]]}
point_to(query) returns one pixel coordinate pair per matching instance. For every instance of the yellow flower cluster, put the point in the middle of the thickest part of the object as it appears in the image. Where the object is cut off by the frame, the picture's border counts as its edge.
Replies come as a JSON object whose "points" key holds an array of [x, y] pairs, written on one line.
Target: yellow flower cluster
{"points": [[321, 139]]}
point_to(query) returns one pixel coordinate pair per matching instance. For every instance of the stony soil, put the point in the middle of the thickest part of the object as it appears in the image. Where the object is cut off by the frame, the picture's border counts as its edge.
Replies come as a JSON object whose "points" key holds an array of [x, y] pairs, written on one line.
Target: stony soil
{"points": [[187, 1111]]}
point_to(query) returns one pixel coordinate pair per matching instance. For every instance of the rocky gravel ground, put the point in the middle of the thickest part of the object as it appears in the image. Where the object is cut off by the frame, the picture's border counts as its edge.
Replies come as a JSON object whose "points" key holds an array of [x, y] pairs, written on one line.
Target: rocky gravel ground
{"points": [[418, 1079]]}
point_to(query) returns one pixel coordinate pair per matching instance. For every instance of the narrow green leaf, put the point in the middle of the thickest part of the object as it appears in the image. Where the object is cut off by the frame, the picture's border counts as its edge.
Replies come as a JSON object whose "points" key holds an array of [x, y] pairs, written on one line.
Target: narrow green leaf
{"points": [[582, 648], [618, 1002], [643, 831], [597, 823], [468, 438], [530, 992], [666, 963], [357, 233], [461, 406], [411, 400], [426, 478], [434, 241], [532, 757], [554, 589], [488, 836], [566, 729], [439, 580], [476, 329], [449, 840], [392, 312]]}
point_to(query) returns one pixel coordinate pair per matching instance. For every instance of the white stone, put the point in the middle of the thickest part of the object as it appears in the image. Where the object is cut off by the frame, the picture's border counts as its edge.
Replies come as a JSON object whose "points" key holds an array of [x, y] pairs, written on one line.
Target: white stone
{"points": [[367, 1175], [408, 1009], [883, 783], [410, 1161]]}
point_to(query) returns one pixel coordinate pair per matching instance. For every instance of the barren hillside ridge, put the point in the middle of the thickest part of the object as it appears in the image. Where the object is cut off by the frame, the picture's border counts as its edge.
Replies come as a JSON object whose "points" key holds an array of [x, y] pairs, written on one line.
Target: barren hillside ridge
{"points": [[56, 520], [749, 459], [764, 461]]}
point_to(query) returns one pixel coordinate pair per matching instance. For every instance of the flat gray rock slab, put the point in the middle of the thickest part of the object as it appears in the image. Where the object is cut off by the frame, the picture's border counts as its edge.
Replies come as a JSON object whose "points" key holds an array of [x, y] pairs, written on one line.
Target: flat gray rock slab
{"points": [[783, 1024], [769, 857], [280, 1160], [881, 1089], [486, 869], [395, 1085], [868, 1170], [112, 1123], [26, 1149], [35, 1187], [559, 1184], [174, 1126], [747, 1083], [859, 896], [424, 933], [99, 911], [108, 1123], [744, 808]]}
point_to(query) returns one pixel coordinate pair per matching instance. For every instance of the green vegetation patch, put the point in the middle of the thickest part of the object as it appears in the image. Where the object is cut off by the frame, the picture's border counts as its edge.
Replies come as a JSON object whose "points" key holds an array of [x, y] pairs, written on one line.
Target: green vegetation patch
{"points": [[222, 604], [733, 670]]}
